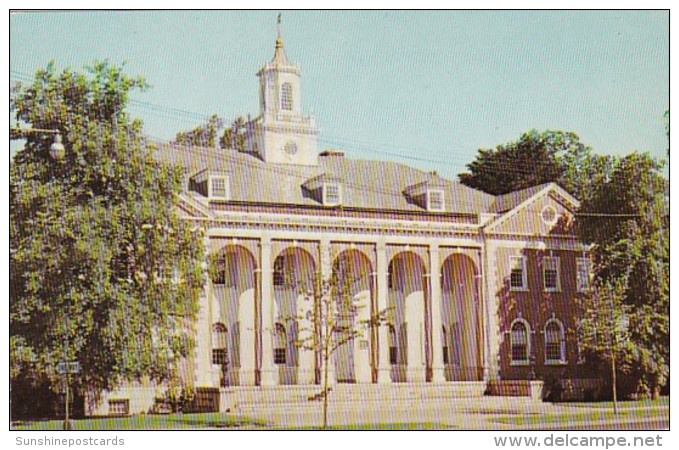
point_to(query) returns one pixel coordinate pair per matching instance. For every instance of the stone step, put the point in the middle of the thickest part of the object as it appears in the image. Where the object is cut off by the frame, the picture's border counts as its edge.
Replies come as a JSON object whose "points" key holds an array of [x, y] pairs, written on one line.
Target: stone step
{"points": [[351, 393]]}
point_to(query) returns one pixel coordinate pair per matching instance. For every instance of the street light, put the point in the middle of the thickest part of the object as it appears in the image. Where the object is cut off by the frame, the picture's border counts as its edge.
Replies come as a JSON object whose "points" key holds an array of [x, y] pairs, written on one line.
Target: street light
{"points": [[57, 150]]}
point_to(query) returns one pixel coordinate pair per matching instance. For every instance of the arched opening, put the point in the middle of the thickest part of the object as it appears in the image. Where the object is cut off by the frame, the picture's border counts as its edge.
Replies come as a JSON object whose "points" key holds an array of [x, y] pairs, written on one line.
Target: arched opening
{"points": [[407, 316], [460, 316], [293, 280], [233, 281], [351, 289], [555, 342], [520, 342]]}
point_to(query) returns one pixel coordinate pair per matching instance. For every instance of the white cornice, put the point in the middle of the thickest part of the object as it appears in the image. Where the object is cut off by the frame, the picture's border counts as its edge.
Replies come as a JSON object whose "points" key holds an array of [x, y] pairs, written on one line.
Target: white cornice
{"points": [[551, 188]]}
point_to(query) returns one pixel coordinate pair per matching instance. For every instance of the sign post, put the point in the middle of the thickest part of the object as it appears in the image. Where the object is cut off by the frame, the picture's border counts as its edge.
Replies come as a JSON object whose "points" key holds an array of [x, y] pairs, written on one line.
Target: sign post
{"points": [[66, 368]]}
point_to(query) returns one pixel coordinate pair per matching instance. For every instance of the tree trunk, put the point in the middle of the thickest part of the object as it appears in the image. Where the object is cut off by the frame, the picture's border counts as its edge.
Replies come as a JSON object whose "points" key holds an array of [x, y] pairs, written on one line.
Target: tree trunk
{"points": [[615, 388], [325, 391]]}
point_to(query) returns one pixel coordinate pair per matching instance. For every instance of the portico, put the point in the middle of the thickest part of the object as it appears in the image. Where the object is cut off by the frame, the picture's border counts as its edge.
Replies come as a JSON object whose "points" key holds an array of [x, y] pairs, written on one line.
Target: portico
{"points": [[266, 333]]}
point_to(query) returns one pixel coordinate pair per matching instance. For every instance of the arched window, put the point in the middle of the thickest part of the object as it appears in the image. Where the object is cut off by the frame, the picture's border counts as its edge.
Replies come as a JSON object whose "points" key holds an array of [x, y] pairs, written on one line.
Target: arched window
{"points": [[220, 353], [555, 342], [219, 272], [279, 351], [279, 271], [520, 342], [286, 97]]}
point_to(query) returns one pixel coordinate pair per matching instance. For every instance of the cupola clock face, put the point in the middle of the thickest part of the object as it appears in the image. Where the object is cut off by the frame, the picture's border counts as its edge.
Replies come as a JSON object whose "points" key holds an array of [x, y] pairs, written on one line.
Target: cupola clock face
{"points": [[290, 149]]}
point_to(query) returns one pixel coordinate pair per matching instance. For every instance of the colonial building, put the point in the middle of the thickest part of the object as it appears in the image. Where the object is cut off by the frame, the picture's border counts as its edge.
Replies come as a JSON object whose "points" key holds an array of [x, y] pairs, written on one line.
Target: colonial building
{"points": [[476, 287]]}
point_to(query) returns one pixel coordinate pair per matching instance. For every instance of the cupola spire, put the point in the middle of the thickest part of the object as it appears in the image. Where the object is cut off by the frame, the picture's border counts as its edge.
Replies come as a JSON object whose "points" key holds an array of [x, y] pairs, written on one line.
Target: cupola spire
{"points": [[279, 54]]}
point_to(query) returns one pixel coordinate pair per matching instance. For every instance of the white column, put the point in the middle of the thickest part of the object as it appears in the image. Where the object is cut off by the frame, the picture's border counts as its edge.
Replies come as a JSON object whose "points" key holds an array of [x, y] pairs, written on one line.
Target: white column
{"points": [[247, 341], [435, 310], [326, 275], [306, 362], [493, 334], [383, 365], [203, 354], [268, 370], [362, 369]]}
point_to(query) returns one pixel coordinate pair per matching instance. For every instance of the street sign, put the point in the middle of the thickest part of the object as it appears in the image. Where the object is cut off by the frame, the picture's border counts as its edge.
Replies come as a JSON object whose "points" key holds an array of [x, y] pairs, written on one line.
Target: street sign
{"points": [[65, 367]]}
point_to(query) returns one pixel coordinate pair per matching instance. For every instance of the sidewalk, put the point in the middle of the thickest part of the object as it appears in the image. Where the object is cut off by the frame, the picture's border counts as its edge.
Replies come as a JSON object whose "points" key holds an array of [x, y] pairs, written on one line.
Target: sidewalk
{"points": [[486, 413]]}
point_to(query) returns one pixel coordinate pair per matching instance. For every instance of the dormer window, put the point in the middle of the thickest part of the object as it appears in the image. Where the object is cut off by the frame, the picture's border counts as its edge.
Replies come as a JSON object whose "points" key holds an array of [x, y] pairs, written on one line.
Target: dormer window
{"points": [[219, 187], [428, 194], [332, 194], [211, 184], [435, 200], [326, 189]]}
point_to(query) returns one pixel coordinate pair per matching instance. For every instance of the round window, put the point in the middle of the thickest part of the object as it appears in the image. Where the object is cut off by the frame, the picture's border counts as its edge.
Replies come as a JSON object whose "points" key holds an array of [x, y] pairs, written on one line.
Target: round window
{"points": [[549, 215], [290, 148]]}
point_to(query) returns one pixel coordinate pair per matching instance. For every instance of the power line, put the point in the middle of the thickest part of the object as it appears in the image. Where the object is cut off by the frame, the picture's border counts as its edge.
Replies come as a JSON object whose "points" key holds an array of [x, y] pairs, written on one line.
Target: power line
{"points": [[365, 146], [495, 167]]}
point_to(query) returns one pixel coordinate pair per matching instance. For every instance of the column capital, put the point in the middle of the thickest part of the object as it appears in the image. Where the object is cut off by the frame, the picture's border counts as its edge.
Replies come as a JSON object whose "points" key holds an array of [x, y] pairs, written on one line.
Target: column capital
{"points": [[324, 242], [265, 241]]}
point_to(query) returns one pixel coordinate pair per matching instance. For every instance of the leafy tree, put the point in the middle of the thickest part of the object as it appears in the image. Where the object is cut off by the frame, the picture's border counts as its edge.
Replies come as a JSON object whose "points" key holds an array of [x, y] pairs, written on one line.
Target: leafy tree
{"points": [[102, 268], [604, 328], [234, 136], [624, 221], [204, 135], [666, 117], [207, 134], [536, 158]]}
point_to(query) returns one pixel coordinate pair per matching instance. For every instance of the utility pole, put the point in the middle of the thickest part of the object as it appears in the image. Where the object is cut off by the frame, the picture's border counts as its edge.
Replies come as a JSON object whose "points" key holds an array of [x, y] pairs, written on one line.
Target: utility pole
{"points": [[613, 330]]}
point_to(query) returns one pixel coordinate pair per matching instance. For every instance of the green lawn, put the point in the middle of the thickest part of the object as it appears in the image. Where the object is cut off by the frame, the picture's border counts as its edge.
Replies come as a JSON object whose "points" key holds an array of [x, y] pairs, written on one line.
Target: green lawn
{"points": [[149, 422], [660, 402], [593, 414], [202, 421], [378, 426]]}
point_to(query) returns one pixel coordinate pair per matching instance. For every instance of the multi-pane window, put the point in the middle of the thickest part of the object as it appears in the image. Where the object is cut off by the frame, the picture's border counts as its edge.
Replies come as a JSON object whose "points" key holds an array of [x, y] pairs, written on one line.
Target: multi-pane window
{"points": [[519, 343], [583, 268], [444, 339], [279, 351], [435, 200], [393, 349], [286, 97], [279, 271], [332, 194], [551, 274], [218, 188], [517, 275], [219, 271], [219, 345], [119, 407], [555, 344]]}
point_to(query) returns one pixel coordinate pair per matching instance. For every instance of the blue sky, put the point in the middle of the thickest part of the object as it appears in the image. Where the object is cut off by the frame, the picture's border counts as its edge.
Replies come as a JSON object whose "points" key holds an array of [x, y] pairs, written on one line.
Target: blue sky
{"points": [[425, 88]]}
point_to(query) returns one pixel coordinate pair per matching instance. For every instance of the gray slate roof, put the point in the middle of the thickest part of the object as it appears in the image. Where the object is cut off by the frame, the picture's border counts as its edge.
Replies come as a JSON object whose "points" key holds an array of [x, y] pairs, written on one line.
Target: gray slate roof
{"points": [[365, 183], [509, 201]]}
